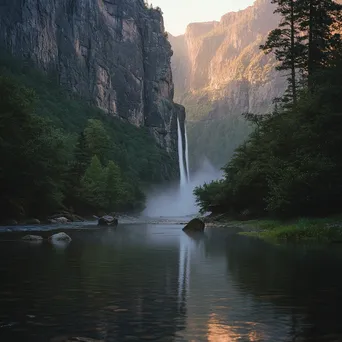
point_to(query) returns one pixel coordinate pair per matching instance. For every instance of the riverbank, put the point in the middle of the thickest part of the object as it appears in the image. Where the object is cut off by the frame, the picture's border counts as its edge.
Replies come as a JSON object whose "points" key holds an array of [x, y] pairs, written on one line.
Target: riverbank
{"points": [[303, 229]]}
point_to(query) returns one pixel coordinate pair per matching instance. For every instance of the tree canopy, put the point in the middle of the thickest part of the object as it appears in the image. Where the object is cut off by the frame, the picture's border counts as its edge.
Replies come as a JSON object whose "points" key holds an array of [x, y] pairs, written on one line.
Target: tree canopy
{"points": [[60, 153], [290, 165]]}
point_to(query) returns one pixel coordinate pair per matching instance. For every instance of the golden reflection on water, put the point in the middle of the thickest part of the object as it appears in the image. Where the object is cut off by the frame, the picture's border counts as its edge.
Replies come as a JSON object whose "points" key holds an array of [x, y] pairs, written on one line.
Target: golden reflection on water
{"points": [[218, 332], [255, 336]]}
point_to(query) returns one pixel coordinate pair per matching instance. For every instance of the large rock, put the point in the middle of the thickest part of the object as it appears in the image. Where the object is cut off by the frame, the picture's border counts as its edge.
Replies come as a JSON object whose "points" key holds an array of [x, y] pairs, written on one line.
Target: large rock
{"points": [[60, 237], [108, 221], [195, 225], [114, 53]]}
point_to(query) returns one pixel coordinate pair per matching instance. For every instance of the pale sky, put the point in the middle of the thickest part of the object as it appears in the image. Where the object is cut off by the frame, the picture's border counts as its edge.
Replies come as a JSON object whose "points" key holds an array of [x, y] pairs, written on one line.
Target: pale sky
{"points": [[179, 13]]}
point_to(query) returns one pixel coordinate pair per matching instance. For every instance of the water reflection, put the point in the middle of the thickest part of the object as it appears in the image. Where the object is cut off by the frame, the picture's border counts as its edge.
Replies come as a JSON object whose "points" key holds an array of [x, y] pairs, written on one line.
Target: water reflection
{"points": [[142, 282], [60, 245], [218, 331], [299, 281]]}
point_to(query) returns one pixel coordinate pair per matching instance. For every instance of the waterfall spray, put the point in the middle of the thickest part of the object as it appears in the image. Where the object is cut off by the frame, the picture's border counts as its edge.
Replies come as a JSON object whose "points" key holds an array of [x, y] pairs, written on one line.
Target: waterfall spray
{"points": [[187, 155], [178, 200], [183, 178]]}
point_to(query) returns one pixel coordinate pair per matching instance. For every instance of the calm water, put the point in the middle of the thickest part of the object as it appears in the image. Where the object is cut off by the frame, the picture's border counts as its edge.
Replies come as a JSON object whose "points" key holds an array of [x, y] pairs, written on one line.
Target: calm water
{"points": [[155, 283]]}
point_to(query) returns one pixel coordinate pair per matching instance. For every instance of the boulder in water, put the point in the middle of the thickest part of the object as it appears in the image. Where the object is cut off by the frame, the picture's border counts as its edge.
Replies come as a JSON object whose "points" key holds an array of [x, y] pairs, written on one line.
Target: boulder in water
{"points": [[108, 221], [70, 216], [61, 219], [60, 237], [32, 238], [195, 225]]}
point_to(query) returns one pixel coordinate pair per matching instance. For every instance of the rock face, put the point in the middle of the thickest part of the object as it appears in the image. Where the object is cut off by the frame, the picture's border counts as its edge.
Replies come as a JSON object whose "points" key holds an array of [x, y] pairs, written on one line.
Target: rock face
{"points": [[114, 53], [220, 73], [222, 60]]}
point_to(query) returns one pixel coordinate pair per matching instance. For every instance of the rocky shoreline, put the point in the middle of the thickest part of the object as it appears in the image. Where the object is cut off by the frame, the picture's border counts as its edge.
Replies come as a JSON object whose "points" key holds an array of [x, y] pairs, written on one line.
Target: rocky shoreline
{"points": [[61, 217]]}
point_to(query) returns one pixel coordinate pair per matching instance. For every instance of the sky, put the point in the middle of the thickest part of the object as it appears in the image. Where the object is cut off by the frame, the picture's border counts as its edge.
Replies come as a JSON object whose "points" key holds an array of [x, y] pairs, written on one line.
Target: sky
{"points": [[179, 13]]}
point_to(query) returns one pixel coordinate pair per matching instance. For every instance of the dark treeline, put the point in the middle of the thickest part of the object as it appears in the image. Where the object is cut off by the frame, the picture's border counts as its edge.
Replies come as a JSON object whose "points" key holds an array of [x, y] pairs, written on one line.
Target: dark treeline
{"points": [[57, 152], [291, 164]]}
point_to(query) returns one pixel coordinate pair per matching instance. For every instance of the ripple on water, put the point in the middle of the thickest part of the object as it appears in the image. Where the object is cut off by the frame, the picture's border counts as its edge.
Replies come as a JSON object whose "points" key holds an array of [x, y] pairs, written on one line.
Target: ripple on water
{"points": [[153, 282]]}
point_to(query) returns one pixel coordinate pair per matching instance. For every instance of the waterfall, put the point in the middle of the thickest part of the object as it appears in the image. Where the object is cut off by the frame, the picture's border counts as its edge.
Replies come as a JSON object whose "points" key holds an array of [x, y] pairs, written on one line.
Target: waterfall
{"points": [[187, 155], [183, 178]]}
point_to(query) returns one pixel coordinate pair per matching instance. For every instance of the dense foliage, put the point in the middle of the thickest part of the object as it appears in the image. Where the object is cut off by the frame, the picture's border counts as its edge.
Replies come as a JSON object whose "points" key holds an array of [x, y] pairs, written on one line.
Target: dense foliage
{"points": [[59, 152], [291, 164]]}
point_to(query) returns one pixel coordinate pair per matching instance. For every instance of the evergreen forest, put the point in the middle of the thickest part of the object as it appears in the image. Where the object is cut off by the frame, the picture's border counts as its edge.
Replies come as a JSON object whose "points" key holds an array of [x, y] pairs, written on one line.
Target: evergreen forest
{"points": [[291, 164]]}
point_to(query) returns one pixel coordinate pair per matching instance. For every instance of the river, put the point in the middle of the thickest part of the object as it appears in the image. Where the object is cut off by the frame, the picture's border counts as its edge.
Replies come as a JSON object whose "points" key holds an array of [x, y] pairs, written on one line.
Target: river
{"points": [[152, 282]]}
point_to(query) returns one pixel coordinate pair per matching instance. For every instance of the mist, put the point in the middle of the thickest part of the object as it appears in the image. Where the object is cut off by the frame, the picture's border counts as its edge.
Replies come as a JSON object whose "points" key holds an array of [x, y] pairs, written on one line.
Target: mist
{"points": [[177, 200]]}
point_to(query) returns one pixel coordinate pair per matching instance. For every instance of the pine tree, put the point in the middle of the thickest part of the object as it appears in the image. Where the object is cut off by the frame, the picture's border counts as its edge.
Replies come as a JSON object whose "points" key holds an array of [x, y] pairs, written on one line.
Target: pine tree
{"points": [[320, 22], [114, 186], [97, 140], [286, 44], [82, 158], [93, 184]]}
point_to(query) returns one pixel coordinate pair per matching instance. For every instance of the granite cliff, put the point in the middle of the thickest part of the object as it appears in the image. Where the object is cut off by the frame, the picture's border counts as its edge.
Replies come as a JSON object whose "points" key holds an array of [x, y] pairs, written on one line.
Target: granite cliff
{"points": [[220, 73], [114, 53]]}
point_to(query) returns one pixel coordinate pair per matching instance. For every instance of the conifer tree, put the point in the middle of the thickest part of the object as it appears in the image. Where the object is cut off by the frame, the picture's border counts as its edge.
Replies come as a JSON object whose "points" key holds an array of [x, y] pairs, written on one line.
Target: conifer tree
{"points": [[320, 24], [93, 184], [287, 45], [97, 140], [114, 186]]}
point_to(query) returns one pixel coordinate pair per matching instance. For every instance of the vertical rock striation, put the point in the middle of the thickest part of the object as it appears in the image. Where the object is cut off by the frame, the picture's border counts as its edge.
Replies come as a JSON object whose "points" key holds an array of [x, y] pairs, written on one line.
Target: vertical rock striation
{"points": [[221, 62], [114, 53]]}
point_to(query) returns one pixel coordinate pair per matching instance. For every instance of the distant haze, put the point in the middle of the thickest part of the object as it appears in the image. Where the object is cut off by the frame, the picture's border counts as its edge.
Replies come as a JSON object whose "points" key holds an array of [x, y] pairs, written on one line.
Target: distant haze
{"points": [[179, 13]]}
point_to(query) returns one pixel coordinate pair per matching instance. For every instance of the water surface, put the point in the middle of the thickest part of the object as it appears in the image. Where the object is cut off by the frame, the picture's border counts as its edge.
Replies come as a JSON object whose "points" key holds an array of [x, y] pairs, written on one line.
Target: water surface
{"points": [[155, 283]]}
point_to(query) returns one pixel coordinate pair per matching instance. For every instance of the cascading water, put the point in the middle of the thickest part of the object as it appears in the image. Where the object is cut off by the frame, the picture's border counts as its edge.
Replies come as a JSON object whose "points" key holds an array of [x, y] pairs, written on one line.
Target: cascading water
{"points": [[187, 155], [183, 177], [178, 200]]}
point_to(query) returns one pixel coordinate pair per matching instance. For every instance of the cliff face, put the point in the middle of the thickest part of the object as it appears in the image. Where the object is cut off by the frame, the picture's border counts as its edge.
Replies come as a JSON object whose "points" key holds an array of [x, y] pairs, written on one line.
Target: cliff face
{"points": [[221, 62], [112, 52], [220, 73]]}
